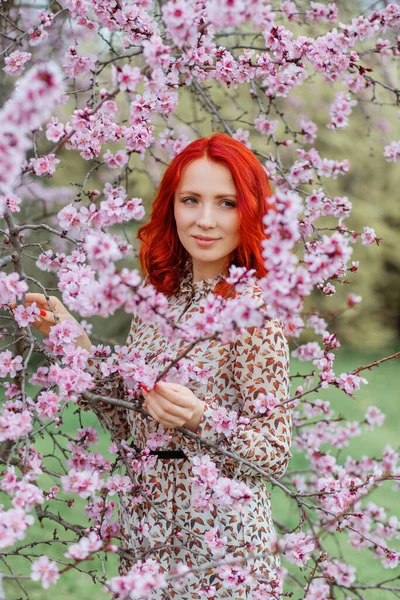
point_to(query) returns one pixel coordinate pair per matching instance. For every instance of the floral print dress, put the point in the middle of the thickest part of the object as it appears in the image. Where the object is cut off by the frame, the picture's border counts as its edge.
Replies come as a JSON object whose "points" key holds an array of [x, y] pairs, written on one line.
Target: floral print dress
{"points": [[168, 527]]}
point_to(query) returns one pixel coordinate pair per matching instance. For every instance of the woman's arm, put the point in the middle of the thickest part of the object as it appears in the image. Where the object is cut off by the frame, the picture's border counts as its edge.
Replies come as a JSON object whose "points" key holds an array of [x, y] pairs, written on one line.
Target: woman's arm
{"points": [[261, 366]]}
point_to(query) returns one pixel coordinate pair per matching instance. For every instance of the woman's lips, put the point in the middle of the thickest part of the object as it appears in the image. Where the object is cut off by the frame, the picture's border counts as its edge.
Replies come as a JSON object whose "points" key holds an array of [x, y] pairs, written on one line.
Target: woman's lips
{"points": [[205, 243]]}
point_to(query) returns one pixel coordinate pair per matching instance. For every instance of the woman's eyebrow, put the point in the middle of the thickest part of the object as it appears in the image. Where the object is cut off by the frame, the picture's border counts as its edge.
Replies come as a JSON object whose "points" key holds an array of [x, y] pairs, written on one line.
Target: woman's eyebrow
{"points": [[216, 196]]}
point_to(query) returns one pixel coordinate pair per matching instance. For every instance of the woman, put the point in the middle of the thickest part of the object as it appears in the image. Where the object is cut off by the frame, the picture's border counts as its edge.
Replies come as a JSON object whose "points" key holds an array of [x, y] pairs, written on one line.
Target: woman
{"points": [[215, 189]]}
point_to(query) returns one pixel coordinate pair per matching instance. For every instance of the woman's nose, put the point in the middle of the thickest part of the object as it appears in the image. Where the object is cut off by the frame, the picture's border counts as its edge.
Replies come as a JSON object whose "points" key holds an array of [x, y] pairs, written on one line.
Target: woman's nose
{"points": [[206, 217]]}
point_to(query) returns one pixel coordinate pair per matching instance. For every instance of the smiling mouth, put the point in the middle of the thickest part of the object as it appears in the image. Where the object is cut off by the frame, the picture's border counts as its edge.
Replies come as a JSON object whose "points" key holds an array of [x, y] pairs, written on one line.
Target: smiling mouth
{"points": [[205, 239]]}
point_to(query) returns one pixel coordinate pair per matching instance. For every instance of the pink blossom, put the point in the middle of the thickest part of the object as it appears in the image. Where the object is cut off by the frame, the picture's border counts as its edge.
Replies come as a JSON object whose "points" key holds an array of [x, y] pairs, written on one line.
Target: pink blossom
{"points": [[45, 570], [30, 104], [15, 63], [223, 421], [340, 109], [9, 364], [116, 161], [62, 336], [353, 300], [297, 547], [37, 35], [215, 543], [126, 77], [142, 578], [342, 573], [47, 404], [44, 165], [321, 12], [307, 351], [349, 382], [234, 577], [86, 546], [14, 425], [205, 469], [27, 495], [77, 64], [234, 494], [102, 250], [180, 22], [309, 130], [368, 236], [54, 130], [392, 152], [12, 201], [374, 416], [84, 483], [13, 525], [26, 314], [265, 402], [87, 436], [265, 126], [289, 9], [117, 484]]}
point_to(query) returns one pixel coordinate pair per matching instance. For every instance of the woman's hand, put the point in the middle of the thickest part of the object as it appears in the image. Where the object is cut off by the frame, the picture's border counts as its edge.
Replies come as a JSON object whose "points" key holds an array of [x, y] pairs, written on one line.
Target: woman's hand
{"points": [[174, 405], [46, 320]]}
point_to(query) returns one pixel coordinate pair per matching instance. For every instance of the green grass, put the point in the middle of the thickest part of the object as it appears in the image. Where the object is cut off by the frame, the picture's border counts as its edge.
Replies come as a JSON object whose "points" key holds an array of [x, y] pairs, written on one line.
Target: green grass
{"points": [[381, 391]]}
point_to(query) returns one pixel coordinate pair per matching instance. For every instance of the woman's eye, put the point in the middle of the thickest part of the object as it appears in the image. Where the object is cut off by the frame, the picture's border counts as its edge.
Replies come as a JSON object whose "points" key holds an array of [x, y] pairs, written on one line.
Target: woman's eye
{"points": [[232, 204]]}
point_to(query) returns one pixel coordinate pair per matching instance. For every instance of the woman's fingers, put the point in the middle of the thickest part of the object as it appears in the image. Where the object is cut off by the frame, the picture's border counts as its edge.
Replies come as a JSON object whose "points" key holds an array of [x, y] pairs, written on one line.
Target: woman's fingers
{"points": [[165, 406], [159, 414]]}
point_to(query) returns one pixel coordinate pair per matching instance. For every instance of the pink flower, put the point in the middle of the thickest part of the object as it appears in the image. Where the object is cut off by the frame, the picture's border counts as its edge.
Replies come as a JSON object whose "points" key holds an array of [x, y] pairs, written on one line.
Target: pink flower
{"points": [[214, 542], [297, 548], [374, 416], [26, 314], [37, 35], [392, 152], [45, 165], [116, 161], [15, 63], [265, 126], [14, 425], [265, 402], [45, 570], [84, 483], [349, 382], [235, 494], [369, 236], [234, 577], [13, 201], [142, 578], [85, 547], [47, 404], [77, 64], [126, 77], [205, 469], [54, 130], [353, 300], [117, 484], [9, 364], [13, 524]]}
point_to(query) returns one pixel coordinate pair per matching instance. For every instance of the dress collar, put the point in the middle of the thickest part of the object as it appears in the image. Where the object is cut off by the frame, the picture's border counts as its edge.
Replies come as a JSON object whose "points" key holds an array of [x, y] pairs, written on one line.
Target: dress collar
{"points": [[198, 289]]}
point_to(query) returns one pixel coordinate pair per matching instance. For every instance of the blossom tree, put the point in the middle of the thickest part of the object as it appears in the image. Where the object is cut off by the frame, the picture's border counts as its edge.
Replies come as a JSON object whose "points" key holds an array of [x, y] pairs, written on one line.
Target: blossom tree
{"points": [[102, 83]]}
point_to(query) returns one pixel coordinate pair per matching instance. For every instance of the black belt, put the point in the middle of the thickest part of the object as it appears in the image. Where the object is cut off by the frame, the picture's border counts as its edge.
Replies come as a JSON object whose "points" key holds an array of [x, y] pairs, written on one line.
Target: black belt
{"points": [[168, 453], [163, 453]]}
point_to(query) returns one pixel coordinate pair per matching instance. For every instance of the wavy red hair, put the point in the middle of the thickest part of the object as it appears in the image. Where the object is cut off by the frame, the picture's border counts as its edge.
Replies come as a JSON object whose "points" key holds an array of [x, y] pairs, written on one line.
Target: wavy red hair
{"points": [[162, 256]]}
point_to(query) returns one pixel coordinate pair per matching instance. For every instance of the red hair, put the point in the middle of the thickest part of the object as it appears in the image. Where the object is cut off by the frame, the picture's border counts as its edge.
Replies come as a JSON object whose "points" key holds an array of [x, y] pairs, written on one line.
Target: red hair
{"points": [[161, 254]]}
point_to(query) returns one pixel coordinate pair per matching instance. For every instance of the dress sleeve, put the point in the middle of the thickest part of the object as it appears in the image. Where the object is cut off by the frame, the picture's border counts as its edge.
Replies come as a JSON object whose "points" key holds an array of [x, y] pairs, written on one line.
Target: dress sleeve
{"points": [[261, 365], [113, 386]]}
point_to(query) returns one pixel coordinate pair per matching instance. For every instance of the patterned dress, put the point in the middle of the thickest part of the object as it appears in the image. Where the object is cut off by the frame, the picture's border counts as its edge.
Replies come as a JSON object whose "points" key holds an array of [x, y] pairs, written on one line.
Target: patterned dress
{"points": [[256, 362]]}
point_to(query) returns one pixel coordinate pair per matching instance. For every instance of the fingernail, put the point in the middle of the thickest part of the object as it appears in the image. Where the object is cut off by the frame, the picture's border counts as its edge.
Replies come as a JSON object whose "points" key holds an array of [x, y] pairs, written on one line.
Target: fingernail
{"points": [[42, 312]]}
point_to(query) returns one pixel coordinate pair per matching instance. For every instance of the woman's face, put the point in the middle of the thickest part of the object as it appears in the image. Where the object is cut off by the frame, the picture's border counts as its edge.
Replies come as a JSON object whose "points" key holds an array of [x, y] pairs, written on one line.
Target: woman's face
{"points": [[205, 205]]}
